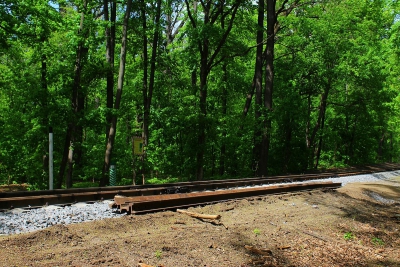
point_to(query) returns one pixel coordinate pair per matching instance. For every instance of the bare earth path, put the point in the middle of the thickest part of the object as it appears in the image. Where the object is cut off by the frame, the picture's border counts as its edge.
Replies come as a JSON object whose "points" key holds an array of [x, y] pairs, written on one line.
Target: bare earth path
{"points": [[358, 225]]}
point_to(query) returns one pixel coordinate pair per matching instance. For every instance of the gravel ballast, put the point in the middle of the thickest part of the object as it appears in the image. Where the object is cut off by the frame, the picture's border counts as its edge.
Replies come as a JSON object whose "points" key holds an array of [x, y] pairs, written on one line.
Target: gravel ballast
{"points": [[20, 220]]}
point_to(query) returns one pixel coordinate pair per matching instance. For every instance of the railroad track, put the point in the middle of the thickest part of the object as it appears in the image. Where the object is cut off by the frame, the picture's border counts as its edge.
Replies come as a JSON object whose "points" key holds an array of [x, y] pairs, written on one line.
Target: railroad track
{"points": [[33, 199], [146, 204]]}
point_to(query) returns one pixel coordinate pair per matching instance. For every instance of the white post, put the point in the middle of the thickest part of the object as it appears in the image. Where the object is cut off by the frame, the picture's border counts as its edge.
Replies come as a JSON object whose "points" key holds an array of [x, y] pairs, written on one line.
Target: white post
{"points": [[50, 158]]}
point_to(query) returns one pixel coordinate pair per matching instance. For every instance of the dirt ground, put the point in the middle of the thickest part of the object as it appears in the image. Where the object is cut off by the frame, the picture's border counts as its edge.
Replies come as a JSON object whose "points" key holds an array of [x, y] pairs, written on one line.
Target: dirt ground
{"points": [[347, 227]]}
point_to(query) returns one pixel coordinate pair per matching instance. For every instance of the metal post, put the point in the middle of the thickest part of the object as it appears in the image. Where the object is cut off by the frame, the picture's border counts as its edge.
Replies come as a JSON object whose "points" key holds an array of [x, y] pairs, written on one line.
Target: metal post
{"points": [[113, 175], [50, 158]]}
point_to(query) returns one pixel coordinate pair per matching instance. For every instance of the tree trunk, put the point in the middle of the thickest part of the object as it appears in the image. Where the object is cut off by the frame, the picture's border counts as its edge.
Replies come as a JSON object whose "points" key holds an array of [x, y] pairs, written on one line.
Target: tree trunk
{"points": [[77, 97], [201, 140], [319, 148], [211, 12], [380, 146], [110, 55], [64, 159], [224, 113], [249, 97], [145, 73], [258, 87], [391, 148], [269, 85], [312, 147], [287, 148], [148, 95], [351, 142], [44, 106], [70, 165], [113, 127], [204, 71], [76, 102]]}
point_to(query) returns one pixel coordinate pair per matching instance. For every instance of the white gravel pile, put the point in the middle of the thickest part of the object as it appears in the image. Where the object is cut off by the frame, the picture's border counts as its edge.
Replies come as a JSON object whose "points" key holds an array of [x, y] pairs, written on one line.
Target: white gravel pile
{"points": [[20, 221], [381, 176]]}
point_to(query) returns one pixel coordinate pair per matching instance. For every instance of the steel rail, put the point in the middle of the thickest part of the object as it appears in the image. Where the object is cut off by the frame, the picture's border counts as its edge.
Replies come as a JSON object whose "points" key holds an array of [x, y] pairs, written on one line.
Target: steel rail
{"points": [[294, 177], [145, 204], [97, 194], [68, 196]]}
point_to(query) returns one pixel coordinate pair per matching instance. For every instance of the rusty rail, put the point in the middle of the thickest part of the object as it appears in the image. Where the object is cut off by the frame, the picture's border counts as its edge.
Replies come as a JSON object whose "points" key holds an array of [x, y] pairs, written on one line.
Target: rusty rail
{"points": [[145, 204], [65, 196], [269, 179]]}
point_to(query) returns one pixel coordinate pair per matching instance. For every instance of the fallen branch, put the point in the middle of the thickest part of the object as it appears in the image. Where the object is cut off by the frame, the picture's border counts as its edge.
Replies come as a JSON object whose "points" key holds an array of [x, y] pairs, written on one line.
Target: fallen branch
{"points": [[283, 247], [218, 224], [200, 216], [314, 235], [227, 209], [146, 265]]}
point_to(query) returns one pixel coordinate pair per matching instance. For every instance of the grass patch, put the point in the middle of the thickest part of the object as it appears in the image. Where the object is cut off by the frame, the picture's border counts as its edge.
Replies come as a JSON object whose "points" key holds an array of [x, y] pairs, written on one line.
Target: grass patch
{"points": [[257, 231], [348, 236], [377, 241], [158, 254], [162, 181], [85, 184]]}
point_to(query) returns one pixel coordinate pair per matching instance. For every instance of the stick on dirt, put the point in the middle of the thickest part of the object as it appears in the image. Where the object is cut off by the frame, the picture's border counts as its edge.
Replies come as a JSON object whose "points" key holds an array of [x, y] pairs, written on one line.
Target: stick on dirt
{"points": [[314, 235], [200, 216]]}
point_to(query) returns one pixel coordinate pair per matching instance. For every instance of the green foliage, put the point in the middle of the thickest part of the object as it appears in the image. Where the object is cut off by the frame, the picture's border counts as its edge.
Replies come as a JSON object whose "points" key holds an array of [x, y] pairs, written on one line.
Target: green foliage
{"points": [[341, 48], [125, 181], [158, 254], [37, 186], [377, 241], [348, 236], [162, 181], [84, 185]]}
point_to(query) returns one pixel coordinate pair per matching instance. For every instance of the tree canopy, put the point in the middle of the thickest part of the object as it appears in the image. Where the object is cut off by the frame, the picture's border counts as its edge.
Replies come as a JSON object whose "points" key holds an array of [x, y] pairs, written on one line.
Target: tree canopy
{"points": [[229, 88]]}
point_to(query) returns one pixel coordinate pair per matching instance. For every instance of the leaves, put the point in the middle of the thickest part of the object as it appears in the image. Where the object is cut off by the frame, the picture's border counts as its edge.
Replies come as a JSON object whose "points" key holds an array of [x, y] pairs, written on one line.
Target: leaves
{"points": [[347, 49]]}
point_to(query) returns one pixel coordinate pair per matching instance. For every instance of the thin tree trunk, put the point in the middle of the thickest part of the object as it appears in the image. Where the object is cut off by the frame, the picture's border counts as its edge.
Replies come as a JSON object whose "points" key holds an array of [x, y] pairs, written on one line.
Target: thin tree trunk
{"points": [[110, 55], [269, 85], [324, 104], [319, 148], [76, 102], [77, 97], [249, 97], [391, 148], [45, 120], [352, 140], [70, 165], [64, 160], [380, 145], [145, 87], [113, 127], [201, 140], [287, 149], [148, 96], [311, 143], [211, 12], [258, 86], [204, 71], [224, 113], [145, 70]]}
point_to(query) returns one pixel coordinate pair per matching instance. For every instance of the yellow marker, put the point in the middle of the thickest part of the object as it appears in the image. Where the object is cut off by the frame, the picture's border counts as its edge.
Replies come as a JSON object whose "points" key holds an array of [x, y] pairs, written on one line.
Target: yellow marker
{"points": [[138, 145]]}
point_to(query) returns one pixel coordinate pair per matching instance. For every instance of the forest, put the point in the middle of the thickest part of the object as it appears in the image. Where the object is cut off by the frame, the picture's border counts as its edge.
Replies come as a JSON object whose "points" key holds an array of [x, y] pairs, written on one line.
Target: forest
{"points": [[212, 89]]}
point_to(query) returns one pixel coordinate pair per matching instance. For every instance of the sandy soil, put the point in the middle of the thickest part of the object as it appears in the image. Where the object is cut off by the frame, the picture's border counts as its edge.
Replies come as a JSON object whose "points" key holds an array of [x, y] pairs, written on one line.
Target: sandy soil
{"points": [[347, 227]]}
